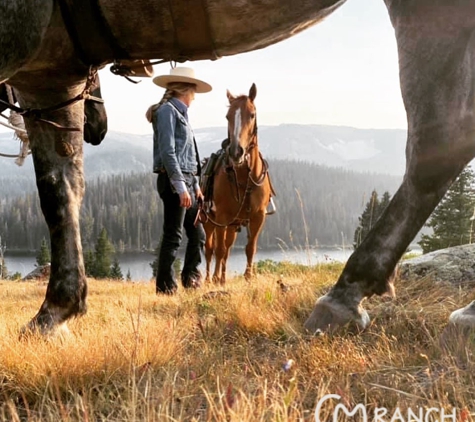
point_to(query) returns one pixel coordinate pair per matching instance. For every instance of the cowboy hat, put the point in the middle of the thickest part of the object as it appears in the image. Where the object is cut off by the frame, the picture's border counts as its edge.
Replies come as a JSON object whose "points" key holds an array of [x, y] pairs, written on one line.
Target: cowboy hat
{"points": [[182, 74]]}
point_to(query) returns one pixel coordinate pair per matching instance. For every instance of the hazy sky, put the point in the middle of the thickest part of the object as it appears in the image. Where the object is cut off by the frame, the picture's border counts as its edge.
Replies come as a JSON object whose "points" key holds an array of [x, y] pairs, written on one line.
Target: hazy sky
{"points": [[340, 72]]}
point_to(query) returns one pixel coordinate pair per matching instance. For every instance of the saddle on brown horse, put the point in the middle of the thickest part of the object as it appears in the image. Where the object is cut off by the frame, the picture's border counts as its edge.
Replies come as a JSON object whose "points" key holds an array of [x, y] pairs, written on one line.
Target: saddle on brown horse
{"points": [[210, 166]]}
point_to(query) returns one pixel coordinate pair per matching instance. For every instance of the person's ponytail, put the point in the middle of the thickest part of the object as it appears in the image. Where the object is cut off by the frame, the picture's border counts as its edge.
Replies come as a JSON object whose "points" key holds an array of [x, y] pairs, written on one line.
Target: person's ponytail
{"points": [[149, 114]]}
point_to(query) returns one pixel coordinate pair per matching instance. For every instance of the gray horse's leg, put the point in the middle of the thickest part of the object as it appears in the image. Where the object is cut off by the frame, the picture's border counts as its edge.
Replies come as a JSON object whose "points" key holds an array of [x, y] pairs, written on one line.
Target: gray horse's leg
{"points": [[436, 46], [58, 161]]}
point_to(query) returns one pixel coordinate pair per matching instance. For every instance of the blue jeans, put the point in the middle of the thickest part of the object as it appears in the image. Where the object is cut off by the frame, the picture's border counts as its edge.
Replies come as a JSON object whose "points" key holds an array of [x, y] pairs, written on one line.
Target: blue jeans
{"points": [[175, 218]]}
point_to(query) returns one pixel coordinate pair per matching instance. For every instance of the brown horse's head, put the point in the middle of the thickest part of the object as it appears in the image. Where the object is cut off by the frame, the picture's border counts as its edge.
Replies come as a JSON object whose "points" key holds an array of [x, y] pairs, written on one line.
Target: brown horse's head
{"points": [[242, 125]]}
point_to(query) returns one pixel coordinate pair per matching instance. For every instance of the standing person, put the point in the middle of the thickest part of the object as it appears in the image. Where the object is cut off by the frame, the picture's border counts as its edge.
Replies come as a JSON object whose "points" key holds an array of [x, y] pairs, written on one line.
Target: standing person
{"points": [[177, 163]]}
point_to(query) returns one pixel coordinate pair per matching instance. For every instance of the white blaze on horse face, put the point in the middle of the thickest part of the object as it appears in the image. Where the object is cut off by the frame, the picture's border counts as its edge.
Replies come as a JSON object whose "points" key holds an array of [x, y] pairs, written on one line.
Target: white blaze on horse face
{"points": [[237, 125], [235, 149]]}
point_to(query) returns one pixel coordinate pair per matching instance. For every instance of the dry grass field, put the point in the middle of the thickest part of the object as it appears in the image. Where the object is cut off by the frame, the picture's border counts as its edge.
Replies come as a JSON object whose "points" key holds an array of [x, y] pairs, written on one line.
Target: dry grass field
{"points": [[201, 356]]}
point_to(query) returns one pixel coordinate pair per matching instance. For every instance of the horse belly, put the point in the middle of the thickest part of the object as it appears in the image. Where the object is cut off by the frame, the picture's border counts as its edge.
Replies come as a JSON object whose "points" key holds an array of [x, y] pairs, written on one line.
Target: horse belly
{"points": [[22, 28], [208, 29]]}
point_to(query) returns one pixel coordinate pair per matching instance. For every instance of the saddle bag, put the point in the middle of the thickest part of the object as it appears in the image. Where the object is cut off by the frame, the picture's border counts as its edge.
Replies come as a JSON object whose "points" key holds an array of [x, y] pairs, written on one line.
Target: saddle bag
{"points": [[207, 173]]}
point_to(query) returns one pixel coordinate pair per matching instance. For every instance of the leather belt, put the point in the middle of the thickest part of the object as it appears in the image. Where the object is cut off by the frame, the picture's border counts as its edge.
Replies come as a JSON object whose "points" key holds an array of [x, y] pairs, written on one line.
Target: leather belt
{"points": [[183, 172]]}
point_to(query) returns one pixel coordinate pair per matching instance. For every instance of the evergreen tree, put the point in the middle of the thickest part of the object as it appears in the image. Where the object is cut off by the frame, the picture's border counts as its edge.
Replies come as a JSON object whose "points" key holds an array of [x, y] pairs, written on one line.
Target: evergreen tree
{"points": [[386, 198], [89, 263], [453, 220], [128, 276], [116, 271], [103, 256], [43, 256], [367, 219], [3, 265], [373, 210], [15, 276]]}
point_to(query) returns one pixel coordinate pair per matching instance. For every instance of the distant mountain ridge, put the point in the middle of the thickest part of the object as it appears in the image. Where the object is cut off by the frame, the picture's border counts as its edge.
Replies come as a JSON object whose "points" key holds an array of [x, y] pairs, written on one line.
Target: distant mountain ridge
{"points": [[367, 150], [362, 150]]}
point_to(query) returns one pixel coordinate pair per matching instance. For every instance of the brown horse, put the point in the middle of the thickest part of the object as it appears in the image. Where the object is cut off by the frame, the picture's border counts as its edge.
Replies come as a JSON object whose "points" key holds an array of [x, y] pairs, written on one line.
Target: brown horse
{"points": [[241, 189]]}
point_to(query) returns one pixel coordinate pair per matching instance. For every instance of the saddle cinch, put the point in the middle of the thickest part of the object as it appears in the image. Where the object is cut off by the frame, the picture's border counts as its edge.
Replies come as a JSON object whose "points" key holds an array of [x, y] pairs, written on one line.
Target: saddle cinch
{"points": [[209, 167]]}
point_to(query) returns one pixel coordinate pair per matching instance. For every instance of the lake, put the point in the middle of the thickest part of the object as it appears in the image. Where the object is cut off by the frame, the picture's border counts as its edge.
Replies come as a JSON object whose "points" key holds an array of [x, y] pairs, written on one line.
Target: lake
{"points": [[139, 263]]}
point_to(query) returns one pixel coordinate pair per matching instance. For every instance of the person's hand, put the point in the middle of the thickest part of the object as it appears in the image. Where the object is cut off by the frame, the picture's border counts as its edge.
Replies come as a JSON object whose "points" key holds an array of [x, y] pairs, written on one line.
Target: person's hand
{"points": [[185, 200], [199, 195]]}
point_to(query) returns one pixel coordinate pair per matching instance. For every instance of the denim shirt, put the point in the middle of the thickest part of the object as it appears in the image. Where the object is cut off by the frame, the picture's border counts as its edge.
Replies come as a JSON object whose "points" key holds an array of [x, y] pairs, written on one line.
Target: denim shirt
{"points": [[173, 146]]}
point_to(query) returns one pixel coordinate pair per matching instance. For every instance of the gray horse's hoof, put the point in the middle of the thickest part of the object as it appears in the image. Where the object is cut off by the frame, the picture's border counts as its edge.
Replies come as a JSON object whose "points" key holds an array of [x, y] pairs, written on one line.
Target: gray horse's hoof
{"points": [[464, 317], [32, 329], [47, 323], [330, 313], [460, 331]]}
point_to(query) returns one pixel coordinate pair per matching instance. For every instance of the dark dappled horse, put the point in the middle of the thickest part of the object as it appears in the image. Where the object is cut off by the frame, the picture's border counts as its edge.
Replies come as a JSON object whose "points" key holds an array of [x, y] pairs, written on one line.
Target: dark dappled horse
{"points": [[241, 189], [47, 48]]}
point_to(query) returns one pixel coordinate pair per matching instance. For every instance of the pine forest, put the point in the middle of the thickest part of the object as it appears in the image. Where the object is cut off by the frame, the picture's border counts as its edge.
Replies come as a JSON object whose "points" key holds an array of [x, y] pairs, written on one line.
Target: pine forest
{"points": [[316, 206]]}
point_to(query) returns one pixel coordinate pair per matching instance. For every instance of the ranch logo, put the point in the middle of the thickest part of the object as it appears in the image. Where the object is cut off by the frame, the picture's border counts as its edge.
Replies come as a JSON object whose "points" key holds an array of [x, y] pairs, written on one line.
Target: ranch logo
{"points": [[381, 414]]}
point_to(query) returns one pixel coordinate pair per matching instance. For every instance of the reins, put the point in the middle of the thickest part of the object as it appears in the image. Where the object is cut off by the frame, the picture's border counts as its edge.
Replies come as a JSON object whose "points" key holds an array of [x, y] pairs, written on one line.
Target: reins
{"points": [[265, 170], [36, 113], [235, 218], [16, 123], [250, 184]]}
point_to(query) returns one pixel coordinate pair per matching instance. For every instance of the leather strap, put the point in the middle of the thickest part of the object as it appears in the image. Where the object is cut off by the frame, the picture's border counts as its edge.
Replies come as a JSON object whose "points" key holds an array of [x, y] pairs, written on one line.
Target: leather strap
{"points": [[90, 32], [96, 44], [193, 35]]}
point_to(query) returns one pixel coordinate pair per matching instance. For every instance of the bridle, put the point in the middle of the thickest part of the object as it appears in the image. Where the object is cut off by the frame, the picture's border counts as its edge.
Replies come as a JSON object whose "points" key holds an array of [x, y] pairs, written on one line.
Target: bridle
{"points": [[36, 113], [230, 167]]}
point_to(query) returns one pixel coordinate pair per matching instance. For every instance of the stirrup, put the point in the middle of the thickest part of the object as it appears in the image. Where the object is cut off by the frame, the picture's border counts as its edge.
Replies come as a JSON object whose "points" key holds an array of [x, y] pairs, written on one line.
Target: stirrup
{"points": [[271, 208]]}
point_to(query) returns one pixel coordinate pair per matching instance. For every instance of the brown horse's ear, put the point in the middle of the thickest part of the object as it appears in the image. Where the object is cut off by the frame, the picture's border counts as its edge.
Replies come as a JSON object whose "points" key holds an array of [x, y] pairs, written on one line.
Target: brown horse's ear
{"points": [[252, 92], [230, 96]]}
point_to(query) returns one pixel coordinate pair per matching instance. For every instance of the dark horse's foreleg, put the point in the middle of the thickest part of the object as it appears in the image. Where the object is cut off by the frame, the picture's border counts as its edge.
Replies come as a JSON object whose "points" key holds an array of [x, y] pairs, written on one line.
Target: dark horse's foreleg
{"points": [[436, 46], [58, 161]]}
